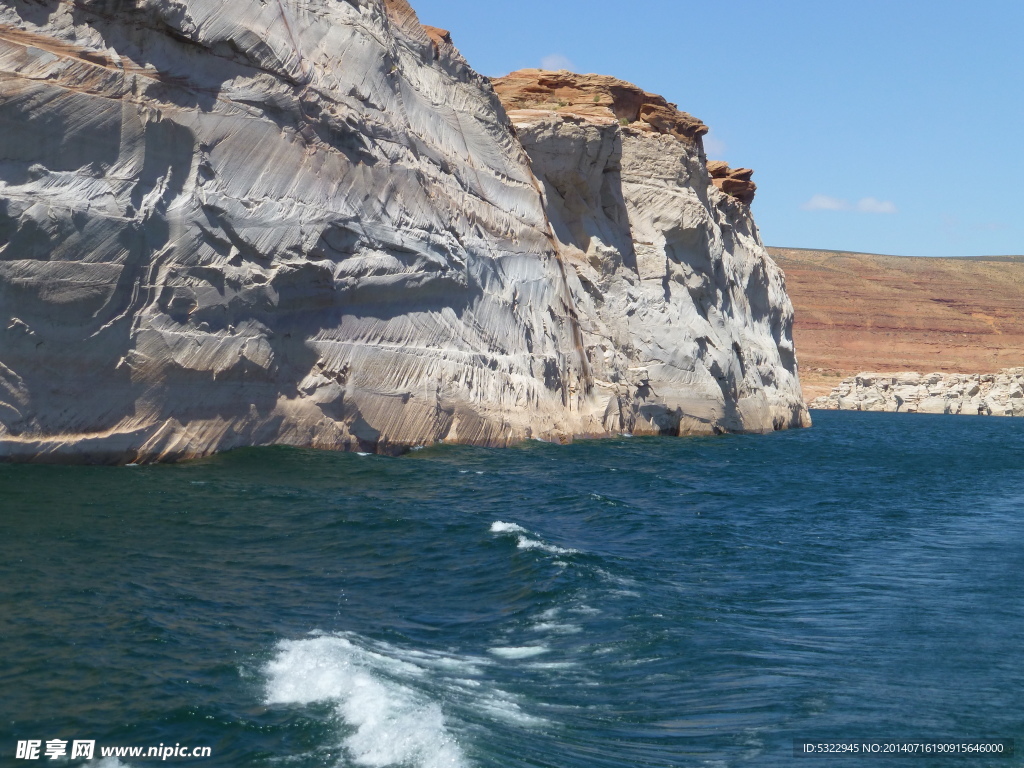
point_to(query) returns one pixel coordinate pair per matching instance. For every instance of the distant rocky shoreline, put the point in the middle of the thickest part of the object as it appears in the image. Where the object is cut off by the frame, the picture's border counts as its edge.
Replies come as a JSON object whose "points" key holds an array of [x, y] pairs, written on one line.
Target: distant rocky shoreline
{"points": [[987, 394], [861, 312]]}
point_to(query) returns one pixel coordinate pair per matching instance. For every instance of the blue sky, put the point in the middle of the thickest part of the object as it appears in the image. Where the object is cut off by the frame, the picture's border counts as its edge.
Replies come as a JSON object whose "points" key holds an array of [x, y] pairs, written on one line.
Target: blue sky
{"points": [[886, 127]]}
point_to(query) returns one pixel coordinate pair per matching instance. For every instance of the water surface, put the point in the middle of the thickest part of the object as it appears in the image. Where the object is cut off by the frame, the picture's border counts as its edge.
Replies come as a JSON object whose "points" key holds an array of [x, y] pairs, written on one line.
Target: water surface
{"points": [[629, 602]]}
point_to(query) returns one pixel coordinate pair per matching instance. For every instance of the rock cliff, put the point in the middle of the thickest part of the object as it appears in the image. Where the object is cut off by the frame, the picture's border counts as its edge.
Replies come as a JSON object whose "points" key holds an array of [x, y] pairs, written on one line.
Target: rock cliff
{"points": [[685, 317], [992, 394], [227, 223]]}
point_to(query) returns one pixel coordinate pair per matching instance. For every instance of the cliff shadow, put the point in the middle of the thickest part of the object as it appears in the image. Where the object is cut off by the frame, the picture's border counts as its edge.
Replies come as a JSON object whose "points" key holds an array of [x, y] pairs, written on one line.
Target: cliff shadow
{"points": [[584, 208]]}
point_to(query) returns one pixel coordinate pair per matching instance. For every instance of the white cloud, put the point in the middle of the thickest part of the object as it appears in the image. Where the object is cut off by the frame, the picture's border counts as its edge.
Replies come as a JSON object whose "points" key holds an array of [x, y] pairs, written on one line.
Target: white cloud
{"points": [[825, 203], [714, 147], [556, 61], [871, 205], [864, 205]]}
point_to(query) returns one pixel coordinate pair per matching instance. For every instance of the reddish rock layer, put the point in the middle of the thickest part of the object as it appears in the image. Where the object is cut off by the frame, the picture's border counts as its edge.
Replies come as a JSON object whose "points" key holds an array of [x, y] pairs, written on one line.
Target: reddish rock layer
{"points": [[596, 97], [859, 312], [437, 35], [733, 181], [603, 99]]}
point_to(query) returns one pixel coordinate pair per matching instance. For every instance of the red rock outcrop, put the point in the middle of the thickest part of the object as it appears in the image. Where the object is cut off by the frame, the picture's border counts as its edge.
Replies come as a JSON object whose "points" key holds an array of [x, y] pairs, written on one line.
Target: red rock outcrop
{"points": [[438, 36], [596, 97], [733, 181], [603, 99]]}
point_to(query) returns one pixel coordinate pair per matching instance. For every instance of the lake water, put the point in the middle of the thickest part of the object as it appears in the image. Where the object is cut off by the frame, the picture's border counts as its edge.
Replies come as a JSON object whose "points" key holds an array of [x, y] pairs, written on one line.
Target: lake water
{"points": [[628, 602]]}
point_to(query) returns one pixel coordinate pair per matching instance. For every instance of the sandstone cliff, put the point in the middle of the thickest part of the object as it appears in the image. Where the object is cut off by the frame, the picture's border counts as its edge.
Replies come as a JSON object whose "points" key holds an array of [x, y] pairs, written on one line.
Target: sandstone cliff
{"points": [[228, 223], [686, 313], [993, 394], [863, 312]]}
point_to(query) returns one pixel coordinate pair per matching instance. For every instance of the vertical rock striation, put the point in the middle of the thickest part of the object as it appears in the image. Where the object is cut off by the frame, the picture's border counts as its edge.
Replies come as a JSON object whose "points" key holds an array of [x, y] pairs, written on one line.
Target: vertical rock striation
{"points": [[686, 320], [231, 223]]}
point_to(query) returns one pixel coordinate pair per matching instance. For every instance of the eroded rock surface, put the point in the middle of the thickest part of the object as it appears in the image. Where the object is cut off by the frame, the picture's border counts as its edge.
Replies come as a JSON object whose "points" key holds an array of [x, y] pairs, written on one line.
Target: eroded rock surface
{"points": [[598, 98], [991, 394], [685, 317], [229, 223], [733, 181]]}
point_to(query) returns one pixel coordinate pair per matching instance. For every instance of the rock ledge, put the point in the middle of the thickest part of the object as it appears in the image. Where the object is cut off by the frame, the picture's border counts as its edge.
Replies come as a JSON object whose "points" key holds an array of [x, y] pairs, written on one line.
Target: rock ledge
{"points": [[988, 394]]}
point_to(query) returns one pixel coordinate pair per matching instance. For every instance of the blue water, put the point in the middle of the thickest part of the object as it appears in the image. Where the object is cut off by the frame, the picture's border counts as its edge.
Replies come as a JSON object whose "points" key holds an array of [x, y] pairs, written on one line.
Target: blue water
{"points": [[630, 602]]}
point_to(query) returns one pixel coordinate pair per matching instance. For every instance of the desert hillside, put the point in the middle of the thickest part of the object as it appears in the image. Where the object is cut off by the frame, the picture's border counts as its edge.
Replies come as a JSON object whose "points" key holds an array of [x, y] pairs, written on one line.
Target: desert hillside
{"points": [[859, 312]]}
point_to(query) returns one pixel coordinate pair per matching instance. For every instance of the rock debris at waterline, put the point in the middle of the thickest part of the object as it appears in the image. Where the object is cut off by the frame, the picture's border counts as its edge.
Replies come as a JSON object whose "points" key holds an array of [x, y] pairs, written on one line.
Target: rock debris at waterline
{"points": [[988, 394], [227, 224]]}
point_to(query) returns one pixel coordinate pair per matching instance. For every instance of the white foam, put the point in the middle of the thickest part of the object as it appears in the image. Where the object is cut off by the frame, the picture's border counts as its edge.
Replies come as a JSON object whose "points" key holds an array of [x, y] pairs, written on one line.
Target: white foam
{"points": [[553, 665], [500, 527], [502, 706], [556, 627], [525, 542], [519, 652], [110, 762], [462, 665], [624, 581], [395, 724], [363, 454]]}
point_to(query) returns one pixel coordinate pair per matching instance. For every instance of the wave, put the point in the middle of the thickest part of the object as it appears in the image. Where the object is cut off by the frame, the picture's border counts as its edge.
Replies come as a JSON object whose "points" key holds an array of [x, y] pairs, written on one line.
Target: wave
{"points": [[389, 699], [520, 651], [395, 724], [525, 542]]}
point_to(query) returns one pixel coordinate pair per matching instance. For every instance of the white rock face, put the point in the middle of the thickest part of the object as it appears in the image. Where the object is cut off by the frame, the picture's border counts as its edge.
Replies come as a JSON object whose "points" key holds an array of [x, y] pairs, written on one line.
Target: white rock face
{"points": [[686, 320], [228, 223], [991, 394]]}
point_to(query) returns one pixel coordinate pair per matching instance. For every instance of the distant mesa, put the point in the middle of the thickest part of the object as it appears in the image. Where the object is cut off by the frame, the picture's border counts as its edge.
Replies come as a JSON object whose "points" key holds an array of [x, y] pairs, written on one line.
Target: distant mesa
{"points": [[865, 312]]}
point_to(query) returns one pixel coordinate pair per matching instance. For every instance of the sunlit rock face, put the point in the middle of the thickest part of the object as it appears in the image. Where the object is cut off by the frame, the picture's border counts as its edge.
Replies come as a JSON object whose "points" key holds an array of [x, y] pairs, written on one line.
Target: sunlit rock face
{"points": [[228, 223], [687, 322], [965, 394]]}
